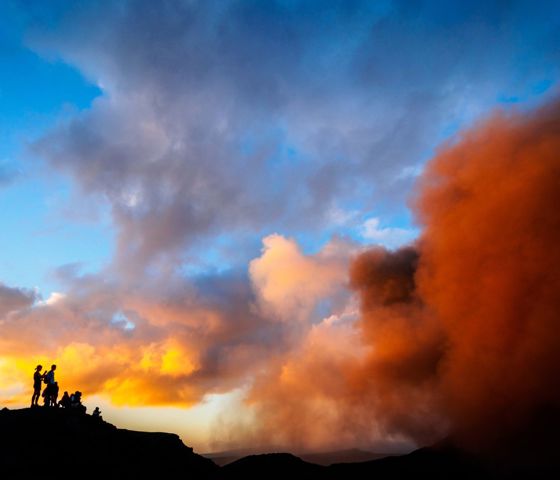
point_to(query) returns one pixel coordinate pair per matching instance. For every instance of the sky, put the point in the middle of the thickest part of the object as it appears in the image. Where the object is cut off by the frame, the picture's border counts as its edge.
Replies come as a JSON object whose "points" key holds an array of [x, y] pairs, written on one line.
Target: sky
{"points": [[185, 184]]}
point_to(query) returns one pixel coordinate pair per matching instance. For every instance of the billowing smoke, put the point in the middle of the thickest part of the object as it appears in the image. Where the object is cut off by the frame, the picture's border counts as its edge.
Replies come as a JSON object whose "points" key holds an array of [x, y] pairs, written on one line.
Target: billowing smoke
{"points": [[468, 321], [488, 272], [458, 335], [399, 375]]}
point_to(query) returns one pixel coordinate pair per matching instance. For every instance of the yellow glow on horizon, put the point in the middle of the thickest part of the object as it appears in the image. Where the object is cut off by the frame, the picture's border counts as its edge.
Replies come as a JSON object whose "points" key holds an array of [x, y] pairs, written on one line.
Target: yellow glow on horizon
{"points": [[16, 379], [128, 375], [199, 425]]}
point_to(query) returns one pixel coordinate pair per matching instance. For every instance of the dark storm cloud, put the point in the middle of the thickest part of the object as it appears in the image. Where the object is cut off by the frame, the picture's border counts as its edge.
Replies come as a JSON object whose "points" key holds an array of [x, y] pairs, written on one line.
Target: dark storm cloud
{"points": [[252, 116]]}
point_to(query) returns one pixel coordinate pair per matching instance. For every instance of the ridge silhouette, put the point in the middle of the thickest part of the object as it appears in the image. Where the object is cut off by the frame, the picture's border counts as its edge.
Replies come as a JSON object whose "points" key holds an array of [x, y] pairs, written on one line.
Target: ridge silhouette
{"points": [[55, 442]]}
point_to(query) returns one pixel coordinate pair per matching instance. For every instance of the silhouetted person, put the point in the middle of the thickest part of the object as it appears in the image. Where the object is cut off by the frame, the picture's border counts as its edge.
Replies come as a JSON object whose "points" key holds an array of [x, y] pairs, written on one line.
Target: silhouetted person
{"points": [[37, 380], [76, 402], [49, 389], [54, 394], [65, 400], [97, 414]]}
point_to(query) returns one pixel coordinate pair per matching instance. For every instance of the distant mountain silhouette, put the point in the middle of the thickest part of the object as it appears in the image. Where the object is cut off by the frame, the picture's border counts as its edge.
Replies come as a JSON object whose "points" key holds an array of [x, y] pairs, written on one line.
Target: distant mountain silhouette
{"points": [[352, 455], [224, 457], [319, 458], [272, 465], [442, 461], [423, 463], [55, 443]]}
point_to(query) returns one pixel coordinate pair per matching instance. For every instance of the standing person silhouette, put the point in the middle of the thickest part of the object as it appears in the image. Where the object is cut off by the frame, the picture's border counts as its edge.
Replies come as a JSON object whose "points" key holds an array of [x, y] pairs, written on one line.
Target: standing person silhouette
{"points": [[37, 380], [49, 389]]}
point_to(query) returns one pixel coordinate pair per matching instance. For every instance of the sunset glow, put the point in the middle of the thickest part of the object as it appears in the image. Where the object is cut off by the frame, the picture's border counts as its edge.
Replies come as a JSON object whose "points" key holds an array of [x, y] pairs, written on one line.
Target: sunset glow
{"points": [[286, 224]]}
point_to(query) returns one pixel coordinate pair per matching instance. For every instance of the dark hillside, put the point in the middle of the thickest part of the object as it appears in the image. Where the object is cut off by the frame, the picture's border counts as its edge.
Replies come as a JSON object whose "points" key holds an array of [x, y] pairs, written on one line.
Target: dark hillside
{"points": [[55, 443], [61, 443]]}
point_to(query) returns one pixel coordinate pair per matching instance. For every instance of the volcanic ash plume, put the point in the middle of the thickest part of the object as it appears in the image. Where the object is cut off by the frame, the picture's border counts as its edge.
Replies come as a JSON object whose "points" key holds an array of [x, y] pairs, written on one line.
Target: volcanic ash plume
{"points": [[398, 378], [459, 334], [474, 327], [489, 272]]}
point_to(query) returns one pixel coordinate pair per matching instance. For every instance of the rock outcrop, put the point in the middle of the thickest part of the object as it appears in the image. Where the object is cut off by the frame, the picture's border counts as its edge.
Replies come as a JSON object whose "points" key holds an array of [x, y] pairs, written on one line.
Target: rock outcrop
{"points": [[62, 443]]}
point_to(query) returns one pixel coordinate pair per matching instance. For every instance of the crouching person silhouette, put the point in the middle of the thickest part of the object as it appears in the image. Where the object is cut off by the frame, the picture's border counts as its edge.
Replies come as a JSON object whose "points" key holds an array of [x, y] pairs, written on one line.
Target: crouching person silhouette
{"points": [[76, 402], [65, 401], [97, 414]]}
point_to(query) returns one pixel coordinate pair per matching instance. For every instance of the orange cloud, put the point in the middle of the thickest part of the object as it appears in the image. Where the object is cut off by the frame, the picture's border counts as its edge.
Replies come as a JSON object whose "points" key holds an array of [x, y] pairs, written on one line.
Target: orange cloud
{"points": [[289, 283], [172, 347]]}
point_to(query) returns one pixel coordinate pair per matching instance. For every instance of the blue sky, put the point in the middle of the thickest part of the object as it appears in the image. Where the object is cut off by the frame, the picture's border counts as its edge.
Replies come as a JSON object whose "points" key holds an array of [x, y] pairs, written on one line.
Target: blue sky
{"points": [[36, 93], [173, 160]]}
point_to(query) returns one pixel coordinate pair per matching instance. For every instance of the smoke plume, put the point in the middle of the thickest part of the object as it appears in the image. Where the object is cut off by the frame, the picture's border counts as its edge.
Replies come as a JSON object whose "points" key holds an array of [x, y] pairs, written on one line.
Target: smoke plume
{"points": [[469, 320], [457, 335], [488, 272]]}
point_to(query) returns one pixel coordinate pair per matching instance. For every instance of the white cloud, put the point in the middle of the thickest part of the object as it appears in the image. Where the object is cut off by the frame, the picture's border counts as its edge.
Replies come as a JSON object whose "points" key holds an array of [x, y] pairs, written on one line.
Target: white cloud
{"points": [[54, 297], [341, 218], [390, 237]]}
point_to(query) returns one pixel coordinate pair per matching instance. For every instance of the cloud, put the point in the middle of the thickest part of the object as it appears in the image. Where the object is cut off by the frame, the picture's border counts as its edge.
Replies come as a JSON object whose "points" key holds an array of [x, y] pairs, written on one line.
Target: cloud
{"points": [[289, 284], [457, 334], [54, 297], [390, 237], [300, 400], [249, 118], [13, 299], [365, 378], [172, 343], [447, 325]]}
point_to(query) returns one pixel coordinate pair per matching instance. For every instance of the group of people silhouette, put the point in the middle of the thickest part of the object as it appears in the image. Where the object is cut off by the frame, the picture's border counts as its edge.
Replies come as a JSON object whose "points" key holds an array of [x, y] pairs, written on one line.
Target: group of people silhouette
{"points": [[50, 393]]}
